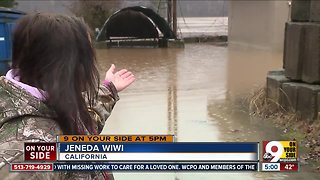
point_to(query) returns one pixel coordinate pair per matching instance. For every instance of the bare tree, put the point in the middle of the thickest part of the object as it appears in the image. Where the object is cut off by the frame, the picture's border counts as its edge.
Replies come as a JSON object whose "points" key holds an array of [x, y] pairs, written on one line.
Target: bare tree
{"points": [[95, 13]]}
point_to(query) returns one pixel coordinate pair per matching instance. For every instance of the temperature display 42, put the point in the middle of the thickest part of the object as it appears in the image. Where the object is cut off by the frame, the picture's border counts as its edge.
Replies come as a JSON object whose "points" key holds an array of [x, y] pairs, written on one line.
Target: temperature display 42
{"points": [[289, 166]]}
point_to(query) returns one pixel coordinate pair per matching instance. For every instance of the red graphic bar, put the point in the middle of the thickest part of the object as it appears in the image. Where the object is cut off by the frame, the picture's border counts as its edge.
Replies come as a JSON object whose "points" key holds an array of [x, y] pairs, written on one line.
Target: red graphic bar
{"points": [[19, 167], [294, 167], [40, 151]]}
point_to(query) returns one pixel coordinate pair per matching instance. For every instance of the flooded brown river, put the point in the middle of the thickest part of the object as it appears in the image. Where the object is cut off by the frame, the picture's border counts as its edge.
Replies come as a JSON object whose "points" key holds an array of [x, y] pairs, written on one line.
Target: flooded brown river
{"points": [[194, 94]]}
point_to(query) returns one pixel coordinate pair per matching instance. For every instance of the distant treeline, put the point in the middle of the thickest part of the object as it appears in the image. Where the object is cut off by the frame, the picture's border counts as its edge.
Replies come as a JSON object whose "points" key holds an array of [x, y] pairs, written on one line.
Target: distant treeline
{"points": [[96, 12], [188, 8], [8, 3]]}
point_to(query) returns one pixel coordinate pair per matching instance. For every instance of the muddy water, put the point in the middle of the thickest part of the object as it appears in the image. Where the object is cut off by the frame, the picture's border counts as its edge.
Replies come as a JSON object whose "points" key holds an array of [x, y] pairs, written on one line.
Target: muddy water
{"points": [[194, 94]]}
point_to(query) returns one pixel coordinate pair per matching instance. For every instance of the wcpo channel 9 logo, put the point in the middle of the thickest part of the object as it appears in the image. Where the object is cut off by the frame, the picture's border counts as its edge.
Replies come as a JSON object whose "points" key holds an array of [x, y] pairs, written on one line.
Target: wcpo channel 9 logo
{"points": [[279, 151]]}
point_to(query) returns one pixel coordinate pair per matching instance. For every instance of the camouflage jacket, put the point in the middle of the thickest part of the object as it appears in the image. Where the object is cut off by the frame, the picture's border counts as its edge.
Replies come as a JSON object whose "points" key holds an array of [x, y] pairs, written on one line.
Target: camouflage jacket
{"points": [[24, 118]]}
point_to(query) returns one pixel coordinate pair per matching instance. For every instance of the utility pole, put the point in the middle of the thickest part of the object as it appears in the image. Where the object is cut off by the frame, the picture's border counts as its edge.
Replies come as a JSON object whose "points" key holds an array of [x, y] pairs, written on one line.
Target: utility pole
{"points": [[169, 13], [174, 16]]}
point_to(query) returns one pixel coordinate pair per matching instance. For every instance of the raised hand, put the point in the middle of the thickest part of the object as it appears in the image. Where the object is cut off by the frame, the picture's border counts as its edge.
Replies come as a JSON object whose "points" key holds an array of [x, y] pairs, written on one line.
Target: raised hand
{"points": [[121, 79]]}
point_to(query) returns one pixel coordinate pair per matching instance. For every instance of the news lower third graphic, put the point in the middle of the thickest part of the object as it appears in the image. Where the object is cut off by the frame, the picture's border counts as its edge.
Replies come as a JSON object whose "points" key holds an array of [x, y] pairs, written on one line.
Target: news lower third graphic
{"points": [[155, 153]]}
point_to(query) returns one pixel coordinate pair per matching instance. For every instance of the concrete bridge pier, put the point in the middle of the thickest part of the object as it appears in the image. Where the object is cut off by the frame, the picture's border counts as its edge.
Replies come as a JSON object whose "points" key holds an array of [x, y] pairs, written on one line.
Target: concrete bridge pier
{"points": [[298, 87]]}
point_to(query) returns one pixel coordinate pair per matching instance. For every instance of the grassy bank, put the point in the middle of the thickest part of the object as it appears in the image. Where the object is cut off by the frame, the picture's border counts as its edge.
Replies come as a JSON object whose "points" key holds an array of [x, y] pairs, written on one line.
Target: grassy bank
{"points": [[306, 133]]}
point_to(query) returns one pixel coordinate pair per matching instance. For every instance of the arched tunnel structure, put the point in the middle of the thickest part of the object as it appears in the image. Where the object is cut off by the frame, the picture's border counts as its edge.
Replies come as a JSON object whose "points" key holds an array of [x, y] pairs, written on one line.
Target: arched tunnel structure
{"points": [[135, 23]]}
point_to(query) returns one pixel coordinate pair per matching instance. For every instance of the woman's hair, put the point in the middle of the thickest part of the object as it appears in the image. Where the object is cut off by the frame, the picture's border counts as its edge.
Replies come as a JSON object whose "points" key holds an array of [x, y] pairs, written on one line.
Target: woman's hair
{"points": [[54, 53]]}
